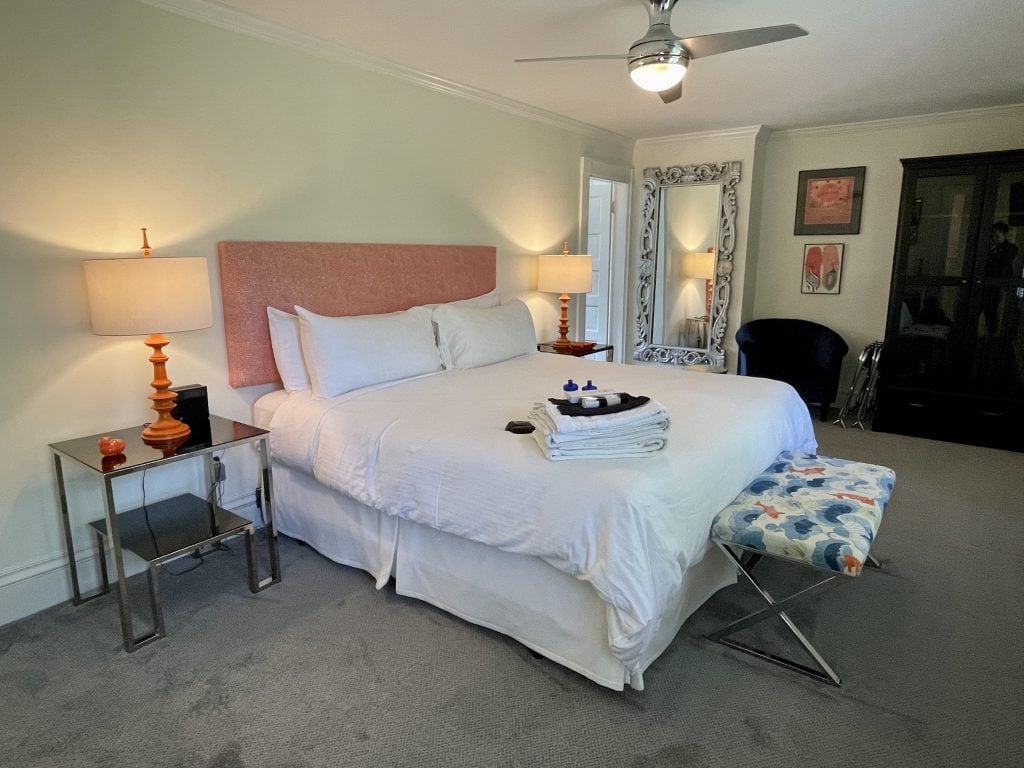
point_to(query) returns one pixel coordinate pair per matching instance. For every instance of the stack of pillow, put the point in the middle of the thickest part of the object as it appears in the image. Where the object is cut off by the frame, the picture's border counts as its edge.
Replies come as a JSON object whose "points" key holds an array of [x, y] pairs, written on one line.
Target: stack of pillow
{"points": [[334, 355]]}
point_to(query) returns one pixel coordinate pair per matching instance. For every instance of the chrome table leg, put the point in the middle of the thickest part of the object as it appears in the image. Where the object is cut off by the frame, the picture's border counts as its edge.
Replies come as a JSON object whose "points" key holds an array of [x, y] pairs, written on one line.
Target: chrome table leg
{"points": [[824, 672]]}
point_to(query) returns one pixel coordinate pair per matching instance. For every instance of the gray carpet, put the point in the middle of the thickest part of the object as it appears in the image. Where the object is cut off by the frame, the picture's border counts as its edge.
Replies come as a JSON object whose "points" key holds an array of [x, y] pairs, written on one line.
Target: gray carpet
{"points": [[322, 670]]}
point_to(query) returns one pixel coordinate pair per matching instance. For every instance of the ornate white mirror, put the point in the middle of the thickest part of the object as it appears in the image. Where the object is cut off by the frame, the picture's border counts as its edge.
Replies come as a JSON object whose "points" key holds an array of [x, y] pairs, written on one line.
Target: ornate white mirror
{"points": [[688, 233]]}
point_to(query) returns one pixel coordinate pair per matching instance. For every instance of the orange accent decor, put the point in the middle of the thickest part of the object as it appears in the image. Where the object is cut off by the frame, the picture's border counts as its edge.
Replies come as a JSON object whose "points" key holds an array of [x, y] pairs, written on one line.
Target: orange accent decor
{"points": [[166, 429], [111, 446], [808, 471], [562, 343], [769, 510], [855, 497], [853, 564]]}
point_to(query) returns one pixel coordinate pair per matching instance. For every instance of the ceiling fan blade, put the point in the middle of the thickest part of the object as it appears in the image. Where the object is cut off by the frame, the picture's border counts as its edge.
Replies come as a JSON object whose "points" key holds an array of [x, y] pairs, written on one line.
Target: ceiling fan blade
{"points": [[709, 45], [621, 57], [671, 94]]}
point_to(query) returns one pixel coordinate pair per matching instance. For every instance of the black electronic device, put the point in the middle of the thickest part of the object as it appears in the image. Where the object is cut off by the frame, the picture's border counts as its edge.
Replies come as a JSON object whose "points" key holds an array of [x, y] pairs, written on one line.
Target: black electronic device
{"points": [[519, 427], [192, 407]]}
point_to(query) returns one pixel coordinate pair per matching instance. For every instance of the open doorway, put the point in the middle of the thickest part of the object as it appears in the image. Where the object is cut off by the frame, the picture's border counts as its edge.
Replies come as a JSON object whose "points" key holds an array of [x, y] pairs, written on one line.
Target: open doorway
{"points": [[604, 232]]}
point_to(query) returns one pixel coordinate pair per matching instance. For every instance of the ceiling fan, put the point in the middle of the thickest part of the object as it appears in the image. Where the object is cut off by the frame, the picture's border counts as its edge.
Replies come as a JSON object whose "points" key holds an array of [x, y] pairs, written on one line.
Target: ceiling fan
{"points": [[658, 60]]}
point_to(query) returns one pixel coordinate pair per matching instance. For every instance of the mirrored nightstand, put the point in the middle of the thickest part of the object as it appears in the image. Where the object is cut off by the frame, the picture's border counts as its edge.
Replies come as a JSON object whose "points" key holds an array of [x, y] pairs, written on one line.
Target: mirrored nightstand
{"points": [[166, 529]]}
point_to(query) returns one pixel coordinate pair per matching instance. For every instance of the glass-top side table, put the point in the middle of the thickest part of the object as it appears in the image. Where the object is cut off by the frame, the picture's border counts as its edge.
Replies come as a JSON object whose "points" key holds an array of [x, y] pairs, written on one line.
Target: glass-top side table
{"points": [[163, 530], [549, 347]]}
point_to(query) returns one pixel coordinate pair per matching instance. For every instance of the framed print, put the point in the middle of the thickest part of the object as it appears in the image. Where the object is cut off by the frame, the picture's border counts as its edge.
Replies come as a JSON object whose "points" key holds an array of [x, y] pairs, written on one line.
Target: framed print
{"points": [[828, 201], [823, 268]]}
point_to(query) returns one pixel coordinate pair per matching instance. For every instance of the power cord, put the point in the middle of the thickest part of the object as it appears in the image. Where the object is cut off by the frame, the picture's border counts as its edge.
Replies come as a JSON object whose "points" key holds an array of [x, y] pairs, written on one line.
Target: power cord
{"points": [[213, 496], [152, 534]]}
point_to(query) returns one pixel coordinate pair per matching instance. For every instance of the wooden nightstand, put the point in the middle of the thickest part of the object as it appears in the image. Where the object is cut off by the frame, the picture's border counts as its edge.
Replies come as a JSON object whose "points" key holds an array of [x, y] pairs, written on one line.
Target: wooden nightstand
{"points": [[608, 349], [163, 530]]}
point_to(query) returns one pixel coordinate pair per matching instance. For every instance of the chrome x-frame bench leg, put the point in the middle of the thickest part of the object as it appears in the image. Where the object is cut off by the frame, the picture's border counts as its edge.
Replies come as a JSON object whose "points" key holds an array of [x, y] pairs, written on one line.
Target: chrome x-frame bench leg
{"points": [[774, 608]]}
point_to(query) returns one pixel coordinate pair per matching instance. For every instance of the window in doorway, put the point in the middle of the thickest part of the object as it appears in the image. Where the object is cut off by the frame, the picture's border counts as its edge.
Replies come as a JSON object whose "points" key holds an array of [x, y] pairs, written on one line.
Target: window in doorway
{"points": [[599, 231]]}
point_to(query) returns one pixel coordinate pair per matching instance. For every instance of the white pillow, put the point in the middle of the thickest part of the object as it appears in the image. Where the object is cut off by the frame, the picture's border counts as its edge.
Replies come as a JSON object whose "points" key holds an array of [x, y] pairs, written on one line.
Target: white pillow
{"points": [[346, 353], [483, 301], [284, 340], [471, 337]]}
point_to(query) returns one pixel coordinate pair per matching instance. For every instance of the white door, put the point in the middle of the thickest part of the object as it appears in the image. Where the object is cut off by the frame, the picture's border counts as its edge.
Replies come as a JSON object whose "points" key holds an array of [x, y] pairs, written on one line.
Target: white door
{"points": [[604, 234], [599, 243]]}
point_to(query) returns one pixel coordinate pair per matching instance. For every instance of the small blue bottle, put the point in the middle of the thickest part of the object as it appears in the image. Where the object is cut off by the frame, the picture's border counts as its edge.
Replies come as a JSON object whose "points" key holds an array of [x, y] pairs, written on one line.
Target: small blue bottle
{"points": [[589, 389], [571, 391]]}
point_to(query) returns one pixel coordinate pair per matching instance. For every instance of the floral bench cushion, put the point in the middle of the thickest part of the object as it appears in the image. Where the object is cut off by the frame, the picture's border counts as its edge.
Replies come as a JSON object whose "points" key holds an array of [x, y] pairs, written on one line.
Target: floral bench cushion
{"points": [[813, 509]]}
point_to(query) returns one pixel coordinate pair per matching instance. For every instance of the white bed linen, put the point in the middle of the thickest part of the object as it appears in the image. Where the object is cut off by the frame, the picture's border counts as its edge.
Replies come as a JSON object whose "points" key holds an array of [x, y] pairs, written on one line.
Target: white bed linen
{"points": [[433, 450], [264, 408]]}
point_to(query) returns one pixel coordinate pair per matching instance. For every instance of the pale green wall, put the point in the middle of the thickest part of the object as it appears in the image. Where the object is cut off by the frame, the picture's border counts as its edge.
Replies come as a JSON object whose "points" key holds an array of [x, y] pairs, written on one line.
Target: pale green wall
{"points": [[118, 115], [858, 313]]}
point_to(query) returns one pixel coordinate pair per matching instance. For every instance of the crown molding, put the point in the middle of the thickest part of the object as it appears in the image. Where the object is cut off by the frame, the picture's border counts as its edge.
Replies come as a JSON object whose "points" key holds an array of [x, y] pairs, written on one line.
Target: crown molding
{"points": [[217, 15], [909, 121], [745, 132]]}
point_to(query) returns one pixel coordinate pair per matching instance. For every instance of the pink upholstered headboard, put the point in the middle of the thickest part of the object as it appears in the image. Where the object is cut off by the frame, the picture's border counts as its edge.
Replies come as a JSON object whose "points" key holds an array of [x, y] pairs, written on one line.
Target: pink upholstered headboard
{"points": [[334, 279]]}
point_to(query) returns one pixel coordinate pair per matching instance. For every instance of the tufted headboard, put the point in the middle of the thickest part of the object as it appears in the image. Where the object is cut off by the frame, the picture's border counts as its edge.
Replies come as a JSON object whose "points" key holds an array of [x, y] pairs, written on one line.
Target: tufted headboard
{"points": [[334, 279]]}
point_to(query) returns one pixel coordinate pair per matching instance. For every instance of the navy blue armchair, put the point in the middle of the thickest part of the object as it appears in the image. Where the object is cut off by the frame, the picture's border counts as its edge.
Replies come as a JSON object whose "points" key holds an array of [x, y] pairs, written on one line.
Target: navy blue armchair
{"points": [[805, 355]]}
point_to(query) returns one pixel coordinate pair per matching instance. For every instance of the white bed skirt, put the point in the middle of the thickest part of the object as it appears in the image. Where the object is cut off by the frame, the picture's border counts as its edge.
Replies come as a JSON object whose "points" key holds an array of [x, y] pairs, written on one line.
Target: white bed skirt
{"points": [[521, 596]]}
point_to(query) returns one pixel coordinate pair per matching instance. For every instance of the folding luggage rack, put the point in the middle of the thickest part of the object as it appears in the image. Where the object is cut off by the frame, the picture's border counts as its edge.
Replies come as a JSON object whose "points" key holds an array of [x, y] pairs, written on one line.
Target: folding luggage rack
{"points": [[860, 400]]}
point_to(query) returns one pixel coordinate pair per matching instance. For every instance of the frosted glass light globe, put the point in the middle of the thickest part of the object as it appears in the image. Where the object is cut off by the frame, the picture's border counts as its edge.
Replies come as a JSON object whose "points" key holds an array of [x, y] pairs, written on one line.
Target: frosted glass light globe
{"points": [[658, 76]]}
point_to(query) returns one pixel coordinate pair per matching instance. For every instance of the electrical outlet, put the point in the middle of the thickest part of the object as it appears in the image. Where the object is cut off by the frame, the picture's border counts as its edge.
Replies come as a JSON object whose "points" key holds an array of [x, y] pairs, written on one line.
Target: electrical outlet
{"points": [[220, 472]]}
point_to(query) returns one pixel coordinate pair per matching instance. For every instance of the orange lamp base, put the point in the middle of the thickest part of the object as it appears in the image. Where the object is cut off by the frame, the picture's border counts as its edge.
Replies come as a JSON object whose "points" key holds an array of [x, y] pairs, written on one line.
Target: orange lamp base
{"points": [[562, 343], [166, 430]]}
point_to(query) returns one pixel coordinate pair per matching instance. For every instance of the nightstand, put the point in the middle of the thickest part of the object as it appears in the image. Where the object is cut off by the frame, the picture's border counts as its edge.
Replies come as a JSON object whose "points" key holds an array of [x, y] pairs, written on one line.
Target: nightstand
{"points": [[608, 349], [166, 529]]}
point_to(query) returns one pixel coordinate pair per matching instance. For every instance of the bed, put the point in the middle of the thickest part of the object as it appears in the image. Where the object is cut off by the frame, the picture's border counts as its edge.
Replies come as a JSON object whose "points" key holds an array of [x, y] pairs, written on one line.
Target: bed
{"points": [[594, 564]]}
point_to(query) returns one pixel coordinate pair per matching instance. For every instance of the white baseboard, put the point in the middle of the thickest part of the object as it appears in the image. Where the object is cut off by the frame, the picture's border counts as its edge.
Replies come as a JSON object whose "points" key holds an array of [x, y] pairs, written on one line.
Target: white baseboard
{"points": [[28, 588]]}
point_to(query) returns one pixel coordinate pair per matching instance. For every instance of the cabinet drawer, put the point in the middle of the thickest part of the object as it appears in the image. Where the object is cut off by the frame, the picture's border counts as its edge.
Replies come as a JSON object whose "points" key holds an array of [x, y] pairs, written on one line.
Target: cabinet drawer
{"points": [[910, 412], [997, 424], [957, 418]]}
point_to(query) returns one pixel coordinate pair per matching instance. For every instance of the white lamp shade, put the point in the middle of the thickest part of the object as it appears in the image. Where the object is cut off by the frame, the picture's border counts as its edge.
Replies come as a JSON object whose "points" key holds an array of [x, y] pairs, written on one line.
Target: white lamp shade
{"points": [[699, 265], [564, 274], [134, 297]]}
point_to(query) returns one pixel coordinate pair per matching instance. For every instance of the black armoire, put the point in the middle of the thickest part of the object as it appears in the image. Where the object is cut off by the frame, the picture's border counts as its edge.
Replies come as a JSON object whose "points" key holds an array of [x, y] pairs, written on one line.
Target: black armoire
{"points": [[953, 364]]}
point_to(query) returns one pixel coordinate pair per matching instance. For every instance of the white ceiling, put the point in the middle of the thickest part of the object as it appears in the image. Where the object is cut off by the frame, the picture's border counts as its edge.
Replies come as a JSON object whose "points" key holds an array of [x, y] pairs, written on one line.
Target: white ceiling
{"points": [[863, 59]]}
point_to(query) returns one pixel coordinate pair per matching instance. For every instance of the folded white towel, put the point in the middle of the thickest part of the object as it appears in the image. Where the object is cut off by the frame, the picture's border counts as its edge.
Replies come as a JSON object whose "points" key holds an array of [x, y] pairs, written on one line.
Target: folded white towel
{"points": [[648, 414], [617, 437], [598, 449], [600, 437]]}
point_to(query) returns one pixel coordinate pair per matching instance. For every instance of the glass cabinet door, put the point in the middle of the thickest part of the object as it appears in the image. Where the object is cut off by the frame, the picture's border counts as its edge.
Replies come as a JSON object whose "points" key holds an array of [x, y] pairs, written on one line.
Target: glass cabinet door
{"points": [[998, 299], [940, 225]]}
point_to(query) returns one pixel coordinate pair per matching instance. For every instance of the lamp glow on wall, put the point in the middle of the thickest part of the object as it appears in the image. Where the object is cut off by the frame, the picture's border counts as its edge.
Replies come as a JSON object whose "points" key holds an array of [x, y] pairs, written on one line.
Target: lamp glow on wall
{"points": [[564, 274], [701, 266], [138, 296]]}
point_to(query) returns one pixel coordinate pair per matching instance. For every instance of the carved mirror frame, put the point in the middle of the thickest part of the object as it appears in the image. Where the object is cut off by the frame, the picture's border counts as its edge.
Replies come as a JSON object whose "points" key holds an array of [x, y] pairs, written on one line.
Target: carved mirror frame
{"points": [[655, 182]]}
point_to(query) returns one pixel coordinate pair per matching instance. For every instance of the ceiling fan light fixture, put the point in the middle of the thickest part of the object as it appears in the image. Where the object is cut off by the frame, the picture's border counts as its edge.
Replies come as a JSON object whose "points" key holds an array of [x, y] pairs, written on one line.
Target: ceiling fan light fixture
{"points": [[658, 74]]}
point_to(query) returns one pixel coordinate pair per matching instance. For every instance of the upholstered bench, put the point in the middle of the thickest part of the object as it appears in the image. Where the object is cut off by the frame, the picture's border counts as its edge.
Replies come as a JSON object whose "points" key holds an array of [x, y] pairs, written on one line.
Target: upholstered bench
{"points": [[810, 510]]}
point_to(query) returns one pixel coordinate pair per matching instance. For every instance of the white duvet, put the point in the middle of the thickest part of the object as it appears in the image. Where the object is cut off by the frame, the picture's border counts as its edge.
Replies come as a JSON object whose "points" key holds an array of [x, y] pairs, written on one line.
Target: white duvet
{"points": [[433, 450]]}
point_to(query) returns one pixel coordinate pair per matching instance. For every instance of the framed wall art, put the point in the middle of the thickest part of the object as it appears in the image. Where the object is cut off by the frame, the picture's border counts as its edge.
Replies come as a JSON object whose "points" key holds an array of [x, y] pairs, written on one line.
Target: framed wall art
{"points": [[823, 268], [828, 201]]}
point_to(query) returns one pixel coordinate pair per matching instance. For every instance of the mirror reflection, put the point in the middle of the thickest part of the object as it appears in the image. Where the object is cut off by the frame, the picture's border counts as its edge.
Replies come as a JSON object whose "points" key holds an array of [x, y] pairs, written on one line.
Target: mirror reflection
{"points": [[685, 274]]}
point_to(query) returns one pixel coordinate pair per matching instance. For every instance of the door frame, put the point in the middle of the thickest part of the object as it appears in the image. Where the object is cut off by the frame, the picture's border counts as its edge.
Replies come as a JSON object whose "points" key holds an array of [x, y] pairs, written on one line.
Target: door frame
{"points": [[621, 177]]}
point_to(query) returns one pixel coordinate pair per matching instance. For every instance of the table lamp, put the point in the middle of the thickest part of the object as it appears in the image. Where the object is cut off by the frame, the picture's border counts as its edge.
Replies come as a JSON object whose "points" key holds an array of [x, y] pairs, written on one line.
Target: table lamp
{"points": [[701, 266], [137, 296], [565, 274]]}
